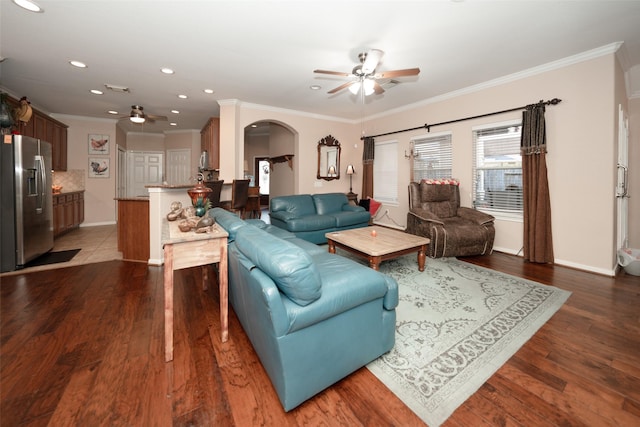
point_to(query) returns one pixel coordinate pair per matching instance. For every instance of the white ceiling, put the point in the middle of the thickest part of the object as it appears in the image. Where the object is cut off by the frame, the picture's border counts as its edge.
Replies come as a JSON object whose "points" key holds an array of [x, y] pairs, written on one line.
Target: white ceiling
{"points": [[264, 52]]}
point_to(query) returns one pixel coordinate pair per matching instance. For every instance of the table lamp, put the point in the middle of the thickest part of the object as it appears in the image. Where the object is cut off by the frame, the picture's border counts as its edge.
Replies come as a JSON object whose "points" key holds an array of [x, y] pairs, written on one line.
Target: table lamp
{"points": [[350, 172]]}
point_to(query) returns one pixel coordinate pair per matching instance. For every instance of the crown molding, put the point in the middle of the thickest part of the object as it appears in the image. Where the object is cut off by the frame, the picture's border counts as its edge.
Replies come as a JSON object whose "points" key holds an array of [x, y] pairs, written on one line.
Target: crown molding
{"points": [[540, 69]]}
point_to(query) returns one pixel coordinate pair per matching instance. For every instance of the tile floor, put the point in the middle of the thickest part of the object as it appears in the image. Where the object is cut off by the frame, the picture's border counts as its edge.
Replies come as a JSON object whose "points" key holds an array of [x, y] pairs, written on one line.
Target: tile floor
{"points": [[97, 244]]}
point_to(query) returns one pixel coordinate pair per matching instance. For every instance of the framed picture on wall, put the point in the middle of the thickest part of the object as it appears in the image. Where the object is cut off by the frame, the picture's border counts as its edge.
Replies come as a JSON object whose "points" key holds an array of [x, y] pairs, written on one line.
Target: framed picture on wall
{"points": [[98, 144], [98, 167]]}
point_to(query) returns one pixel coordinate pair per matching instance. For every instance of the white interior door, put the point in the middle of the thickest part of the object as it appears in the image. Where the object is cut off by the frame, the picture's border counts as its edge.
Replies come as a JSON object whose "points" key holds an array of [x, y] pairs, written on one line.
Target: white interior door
{"points": [[622, 186], [121, 189], [178, 166], [145, 168]]}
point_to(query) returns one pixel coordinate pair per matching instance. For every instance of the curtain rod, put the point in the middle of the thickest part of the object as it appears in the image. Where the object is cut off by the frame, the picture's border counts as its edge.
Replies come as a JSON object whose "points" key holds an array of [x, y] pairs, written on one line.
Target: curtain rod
{"points": [[428, 127]]}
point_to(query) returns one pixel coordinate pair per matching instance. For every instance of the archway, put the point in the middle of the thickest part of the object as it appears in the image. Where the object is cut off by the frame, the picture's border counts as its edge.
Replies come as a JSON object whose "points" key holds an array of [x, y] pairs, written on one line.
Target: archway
{"points": [[265, 144]]}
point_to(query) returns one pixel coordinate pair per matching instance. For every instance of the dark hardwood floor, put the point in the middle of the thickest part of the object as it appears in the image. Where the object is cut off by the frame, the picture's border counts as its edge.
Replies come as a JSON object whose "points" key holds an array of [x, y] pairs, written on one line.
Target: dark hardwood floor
{"points": [[82, 346]]}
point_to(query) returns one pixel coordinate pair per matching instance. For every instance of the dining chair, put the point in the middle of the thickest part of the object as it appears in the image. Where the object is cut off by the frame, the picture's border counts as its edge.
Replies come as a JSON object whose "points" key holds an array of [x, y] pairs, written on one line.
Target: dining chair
{"points": [[239, 196], [216, 190]]}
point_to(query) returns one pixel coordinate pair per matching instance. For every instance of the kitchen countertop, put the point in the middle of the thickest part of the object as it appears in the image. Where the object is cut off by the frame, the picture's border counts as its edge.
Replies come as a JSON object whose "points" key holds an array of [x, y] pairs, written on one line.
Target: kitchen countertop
{"points": [[170, 186], [132, 199], [67, 192]]}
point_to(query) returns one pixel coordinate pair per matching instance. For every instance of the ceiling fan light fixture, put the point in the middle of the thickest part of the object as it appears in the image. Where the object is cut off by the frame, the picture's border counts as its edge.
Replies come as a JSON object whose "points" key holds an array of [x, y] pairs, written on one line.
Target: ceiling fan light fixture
{"points": [[137, 118], [354, 88], [368, 87]]}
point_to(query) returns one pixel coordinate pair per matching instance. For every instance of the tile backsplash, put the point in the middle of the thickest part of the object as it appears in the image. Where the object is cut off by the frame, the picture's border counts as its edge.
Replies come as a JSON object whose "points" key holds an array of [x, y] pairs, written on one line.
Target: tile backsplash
{"points": [[70, 180]]}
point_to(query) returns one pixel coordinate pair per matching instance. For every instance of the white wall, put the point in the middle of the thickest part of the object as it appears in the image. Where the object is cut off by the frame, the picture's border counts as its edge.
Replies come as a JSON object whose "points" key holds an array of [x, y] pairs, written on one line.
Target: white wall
{"points": [[581, 132]]}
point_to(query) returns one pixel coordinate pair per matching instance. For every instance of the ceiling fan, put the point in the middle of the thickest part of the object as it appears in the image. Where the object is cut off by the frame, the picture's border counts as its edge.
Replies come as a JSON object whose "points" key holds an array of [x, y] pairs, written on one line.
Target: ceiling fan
{"points": [[366, 76], [138, 115]]}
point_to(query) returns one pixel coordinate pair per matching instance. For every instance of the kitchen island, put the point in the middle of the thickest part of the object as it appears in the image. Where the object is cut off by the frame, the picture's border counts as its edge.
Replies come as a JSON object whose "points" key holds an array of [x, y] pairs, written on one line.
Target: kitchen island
{"points": [[133, 228]]}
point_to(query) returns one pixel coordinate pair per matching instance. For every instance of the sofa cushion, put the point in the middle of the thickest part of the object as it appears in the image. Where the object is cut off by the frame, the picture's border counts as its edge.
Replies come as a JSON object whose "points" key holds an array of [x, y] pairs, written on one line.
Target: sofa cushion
{"points": [[329, 203], [349, 218], [291, 268], [298, 205], [311, 223]]}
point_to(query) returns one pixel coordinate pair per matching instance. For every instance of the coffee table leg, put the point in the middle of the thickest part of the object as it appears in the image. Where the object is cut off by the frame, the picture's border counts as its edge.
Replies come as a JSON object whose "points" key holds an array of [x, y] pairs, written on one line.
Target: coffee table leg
{"points": [[422, 257], [374, 262], [332, 246]]}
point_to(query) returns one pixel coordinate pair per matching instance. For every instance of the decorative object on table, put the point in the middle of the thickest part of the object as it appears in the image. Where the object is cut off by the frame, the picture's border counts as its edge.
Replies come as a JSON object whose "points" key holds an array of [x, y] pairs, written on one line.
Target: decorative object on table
{"points": [[189, 220], [200, 196], [98, 167], [98, 144], [176, 211]]}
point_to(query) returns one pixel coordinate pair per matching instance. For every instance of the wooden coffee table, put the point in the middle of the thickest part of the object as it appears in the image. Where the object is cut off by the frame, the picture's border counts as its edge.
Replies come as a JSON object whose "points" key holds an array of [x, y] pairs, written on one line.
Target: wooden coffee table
{"points": [[377, 244]]}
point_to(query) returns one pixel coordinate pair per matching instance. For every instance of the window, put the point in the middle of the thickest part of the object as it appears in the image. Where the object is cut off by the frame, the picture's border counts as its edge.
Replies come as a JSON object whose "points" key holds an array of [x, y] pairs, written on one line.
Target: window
{"points": [[432, 157], [497, 169], [385, 172]]}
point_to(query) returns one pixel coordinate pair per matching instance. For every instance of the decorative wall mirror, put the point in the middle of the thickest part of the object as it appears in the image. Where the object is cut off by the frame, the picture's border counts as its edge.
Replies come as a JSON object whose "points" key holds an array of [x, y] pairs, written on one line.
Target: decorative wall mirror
{"points": [[328, 158]]}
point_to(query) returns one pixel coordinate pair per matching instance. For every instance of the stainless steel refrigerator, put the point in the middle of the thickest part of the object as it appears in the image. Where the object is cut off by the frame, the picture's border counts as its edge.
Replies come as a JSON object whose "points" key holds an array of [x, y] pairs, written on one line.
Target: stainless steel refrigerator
{"points": [[26, 211]]}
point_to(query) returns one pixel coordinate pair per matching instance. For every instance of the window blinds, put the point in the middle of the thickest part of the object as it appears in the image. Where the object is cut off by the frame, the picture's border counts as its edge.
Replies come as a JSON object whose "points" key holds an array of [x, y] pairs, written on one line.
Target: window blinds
{"points": [[497, 169], [432, 157]]}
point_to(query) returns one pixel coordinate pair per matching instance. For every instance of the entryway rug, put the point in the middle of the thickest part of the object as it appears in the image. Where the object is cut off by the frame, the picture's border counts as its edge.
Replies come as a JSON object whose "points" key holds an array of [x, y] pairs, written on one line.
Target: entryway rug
{"points": [[456, 324], [53, 258]]}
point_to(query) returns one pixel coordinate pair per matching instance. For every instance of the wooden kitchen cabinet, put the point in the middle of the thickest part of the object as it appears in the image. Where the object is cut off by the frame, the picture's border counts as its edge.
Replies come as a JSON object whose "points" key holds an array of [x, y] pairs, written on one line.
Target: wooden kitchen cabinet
{"points": [[68, 212], [47, 129], [210, 141]]}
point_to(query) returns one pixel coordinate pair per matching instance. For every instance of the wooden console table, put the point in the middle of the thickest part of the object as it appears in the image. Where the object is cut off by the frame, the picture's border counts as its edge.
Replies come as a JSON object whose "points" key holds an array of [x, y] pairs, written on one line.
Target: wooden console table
{"points": [[191, 249]]}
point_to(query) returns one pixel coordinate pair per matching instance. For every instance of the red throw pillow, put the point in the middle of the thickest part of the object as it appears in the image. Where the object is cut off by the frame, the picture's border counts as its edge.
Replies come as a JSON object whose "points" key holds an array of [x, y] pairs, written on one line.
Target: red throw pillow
{"points": [[374, 206]]}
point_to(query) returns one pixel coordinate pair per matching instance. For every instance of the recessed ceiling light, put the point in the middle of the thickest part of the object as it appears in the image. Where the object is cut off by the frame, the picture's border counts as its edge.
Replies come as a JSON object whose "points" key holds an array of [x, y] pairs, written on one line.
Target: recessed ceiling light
{"points": [[315, 87], [112, 112], [78, 64], [167, 70], [96, 92], [209, 91], [182, 96], [31, 6], [173, 124], [175, 111]]}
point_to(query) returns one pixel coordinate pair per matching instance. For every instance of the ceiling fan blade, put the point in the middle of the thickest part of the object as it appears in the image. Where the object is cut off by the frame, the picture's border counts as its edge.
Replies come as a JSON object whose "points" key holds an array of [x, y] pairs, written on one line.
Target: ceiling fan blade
{"points": [[398, 73], [377, 88], [154, 117], [342, 86], [334, 73], [371, 61]]}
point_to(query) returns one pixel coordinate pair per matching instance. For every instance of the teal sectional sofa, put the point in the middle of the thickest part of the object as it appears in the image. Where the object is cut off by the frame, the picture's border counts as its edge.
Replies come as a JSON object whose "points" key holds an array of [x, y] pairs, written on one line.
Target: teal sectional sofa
{"points": [[312, 317], [311, 216]]}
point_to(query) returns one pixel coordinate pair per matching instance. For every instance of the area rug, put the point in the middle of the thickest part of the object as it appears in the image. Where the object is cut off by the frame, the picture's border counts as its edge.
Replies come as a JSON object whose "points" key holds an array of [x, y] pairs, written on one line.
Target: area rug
{"points": [[53, 258], [456, 325]]}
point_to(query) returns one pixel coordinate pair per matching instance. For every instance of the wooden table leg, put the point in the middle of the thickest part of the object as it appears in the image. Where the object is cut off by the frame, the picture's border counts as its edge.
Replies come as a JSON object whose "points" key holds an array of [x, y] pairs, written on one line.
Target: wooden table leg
{"points": [[332, 246], [223, 279], [374, 262], [205, 276], [422, 257], [168, 303]]}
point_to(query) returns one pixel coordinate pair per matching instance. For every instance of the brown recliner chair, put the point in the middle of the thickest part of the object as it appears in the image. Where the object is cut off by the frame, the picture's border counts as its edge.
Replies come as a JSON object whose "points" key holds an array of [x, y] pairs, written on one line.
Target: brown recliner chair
{"points": [[435, 213]]}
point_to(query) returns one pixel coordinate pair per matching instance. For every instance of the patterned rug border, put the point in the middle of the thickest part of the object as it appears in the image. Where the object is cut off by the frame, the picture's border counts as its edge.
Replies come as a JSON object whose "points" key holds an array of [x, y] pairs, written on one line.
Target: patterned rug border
{"points": [[503, 332]]}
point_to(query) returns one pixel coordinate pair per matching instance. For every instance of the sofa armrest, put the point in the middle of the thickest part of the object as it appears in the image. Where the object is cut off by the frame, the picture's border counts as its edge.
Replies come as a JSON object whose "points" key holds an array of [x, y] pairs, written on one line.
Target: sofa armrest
{"points": [[282, 215], [475, 216], [425, 215], [390, 301]]}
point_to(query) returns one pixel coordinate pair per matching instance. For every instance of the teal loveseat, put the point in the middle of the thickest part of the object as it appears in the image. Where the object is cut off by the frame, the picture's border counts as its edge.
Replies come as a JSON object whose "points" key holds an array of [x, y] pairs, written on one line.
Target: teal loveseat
{"points": [[311, 216], [312, 317]]}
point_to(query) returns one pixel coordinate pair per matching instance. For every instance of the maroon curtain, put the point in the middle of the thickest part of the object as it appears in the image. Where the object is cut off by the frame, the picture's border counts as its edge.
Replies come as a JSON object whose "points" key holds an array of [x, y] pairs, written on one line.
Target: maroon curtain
{"points": [[367, 167], [538, 241]]}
